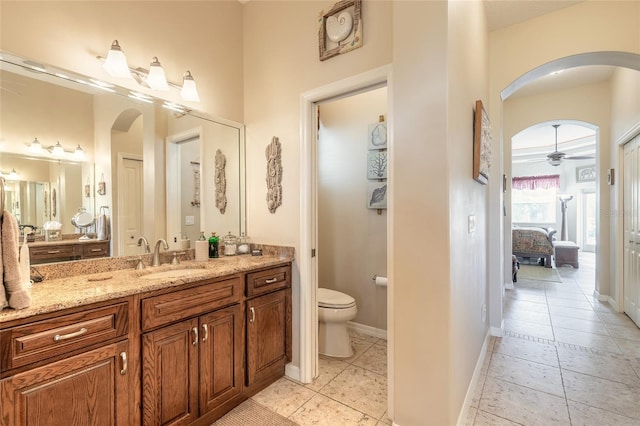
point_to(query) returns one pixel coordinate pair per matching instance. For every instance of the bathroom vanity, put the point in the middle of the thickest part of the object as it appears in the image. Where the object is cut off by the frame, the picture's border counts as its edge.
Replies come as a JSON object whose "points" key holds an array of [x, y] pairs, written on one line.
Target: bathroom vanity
{"points": [[177, 344]]}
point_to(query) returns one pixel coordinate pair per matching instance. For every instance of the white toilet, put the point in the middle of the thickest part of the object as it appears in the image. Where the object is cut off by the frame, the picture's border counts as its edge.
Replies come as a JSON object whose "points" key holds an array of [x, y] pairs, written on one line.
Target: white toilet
{"points": [[334, 310]]}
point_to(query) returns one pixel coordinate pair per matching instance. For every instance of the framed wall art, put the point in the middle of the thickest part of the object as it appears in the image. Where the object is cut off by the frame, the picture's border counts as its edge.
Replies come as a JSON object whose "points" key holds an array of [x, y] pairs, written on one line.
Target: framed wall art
{"points": [[481, 144], [340, 29], [586, 173]]}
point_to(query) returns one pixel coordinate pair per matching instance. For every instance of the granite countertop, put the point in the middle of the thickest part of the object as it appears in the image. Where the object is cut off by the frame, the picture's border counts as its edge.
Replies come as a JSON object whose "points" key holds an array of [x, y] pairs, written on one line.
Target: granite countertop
{"points": [[54, 294]]}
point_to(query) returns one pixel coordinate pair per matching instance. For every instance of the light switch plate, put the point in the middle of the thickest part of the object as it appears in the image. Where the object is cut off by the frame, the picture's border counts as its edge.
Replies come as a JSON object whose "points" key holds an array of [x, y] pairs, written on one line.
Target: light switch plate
{"points": [[472, 223], [189, 220]]}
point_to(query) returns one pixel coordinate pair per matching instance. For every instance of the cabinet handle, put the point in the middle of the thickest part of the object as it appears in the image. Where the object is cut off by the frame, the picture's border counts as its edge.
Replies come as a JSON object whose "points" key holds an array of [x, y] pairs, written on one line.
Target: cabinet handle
{"points": [[205, 332], [59, 337], [96, 250], [123, 358], [194, 331], [53, 252], [271, 280], [253, 314]]}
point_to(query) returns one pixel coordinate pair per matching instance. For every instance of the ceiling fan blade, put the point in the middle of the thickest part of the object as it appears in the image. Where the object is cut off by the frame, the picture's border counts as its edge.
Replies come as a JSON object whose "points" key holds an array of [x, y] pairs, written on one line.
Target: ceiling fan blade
{"points": [[580, 157]]}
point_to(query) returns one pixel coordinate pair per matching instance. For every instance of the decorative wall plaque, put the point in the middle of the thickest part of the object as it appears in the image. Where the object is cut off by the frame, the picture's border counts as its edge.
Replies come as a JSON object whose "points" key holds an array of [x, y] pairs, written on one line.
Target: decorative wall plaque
{"points": [[221, 182], [340, 29], [274, 174]]}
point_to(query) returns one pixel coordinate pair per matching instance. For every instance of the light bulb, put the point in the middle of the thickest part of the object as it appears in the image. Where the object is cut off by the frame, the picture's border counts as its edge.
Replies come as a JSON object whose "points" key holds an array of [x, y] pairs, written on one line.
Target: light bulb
{"points": [[78, 154], [35, 147], [57, 150]]}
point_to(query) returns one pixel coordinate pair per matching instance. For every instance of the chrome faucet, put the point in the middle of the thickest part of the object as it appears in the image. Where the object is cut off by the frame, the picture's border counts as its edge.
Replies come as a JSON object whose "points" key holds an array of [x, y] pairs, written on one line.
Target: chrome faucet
{"points": [[156, 251], [146, 244]]}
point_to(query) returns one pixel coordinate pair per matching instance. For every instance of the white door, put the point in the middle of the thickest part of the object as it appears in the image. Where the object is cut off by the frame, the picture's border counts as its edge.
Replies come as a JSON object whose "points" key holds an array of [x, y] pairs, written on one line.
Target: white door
{"points": [[130, 206], [588, 222], [630, 224]]}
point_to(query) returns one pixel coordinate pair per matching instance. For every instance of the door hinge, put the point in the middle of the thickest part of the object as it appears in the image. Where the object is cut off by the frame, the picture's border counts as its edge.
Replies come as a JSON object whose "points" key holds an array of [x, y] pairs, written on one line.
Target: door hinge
{"points": [[313, 252]]}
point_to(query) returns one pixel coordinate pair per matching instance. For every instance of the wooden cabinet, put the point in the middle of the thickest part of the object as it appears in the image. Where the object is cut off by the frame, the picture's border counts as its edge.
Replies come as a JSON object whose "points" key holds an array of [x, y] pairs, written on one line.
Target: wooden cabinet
{"points": [[74, 250], [268, 325], [194, 366], [89, 389]]}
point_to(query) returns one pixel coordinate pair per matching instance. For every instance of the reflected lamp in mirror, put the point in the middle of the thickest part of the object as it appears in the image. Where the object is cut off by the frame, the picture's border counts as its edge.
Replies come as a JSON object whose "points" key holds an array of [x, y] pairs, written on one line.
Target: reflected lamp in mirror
{"points": [[57, 150], [12, 175]]}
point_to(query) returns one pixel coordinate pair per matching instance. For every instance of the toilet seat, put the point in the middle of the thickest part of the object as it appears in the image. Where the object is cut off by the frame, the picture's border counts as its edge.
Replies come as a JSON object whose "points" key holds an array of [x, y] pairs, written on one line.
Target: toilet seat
{"points": [[334, 299]]}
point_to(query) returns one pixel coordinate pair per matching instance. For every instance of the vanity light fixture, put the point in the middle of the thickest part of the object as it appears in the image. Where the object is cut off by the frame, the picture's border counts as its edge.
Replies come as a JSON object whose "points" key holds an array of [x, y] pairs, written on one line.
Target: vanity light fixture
{"points": [[78, 154], [189, 91], [140, 97], [35, 147], [57, 150], [12, 175], [116, 63], [154, 78]]}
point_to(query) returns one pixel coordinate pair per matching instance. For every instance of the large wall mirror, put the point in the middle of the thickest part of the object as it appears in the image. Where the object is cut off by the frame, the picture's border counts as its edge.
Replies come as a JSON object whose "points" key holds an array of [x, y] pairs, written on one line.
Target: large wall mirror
{"points": [[150, 169]]}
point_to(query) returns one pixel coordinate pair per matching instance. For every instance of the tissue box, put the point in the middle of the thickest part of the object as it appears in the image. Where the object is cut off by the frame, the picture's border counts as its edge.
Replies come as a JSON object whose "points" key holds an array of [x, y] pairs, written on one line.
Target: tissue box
{"points": [[52, 235]]}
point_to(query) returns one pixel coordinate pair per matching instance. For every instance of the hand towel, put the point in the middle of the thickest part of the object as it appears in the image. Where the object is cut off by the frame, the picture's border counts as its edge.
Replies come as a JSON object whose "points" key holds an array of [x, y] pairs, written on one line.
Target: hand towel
{"points": [[25, 264], [19, 297], [101, 227]]}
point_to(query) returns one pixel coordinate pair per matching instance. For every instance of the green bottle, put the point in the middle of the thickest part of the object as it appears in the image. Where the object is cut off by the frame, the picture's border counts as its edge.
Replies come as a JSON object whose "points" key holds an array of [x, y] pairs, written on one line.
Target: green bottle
{"points": [[213, 246]]}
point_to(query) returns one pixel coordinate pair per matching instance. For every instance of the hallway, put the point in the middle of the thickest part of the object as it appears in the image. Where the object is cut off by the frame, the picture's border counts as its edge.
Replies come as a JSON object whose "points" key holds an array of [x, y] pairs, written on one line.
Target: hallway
{"points": [[565, 358]]}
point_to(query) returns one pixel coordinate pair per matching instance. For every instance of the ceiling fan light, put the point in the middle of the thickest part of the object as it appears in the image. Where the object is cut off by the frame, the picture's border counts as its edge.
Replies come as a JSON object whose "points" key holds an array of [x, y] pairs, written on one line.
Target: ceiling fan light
{"points": [[554, 161], [156, 78], [116, 63], [189, 91]]}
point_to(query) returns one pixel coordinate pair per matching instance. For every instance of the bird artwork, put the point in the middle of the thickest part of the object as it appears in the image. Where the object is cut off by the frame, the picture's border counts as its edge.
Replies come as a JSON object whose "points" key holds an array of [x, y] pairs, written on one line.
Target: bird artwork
{"points": [[378, 197]]}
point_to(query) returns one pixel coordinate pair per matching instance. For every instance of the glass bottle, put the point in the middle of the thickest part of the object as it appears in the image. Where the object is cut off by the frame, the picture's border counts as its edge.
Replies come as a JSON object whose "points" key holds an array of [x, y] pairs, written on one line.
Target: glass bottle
{"points": [[213, 246], [243, 244], [201, 237], [230, 244]]}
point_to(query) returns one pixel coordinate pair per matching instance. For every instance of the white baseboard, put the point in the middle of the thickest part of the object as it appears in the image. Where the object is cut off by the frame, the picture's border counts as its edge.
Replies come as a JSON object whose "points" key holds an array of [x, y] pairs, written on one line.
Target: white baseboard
{"points": [[508, 285], [292, 372], [464, 412], [497, 331], [613, 302], [368, 330]]}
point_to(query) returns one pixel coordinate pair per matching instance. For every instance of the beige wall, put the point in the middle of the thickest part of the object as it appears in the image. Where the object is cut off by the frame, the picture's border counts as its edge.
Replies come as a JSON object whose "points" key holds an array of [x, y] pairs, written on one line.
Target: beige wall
{"points": [[352, 239]]}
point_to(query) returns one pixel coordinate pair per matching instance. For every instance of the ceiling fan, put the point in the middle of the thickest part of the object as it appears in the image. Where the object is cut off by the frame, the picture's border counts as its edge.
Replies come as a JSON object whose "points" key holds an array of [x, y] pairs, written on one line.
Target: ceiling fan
{"points": [[556, 157]]}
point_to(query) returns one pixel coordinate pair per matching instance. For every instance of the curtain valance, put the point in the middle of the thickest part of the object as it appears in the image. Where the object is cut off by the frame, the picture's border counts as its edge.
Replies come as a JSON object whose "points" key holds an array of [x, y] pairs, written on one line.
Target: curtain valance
{"points": [[536, 182]]}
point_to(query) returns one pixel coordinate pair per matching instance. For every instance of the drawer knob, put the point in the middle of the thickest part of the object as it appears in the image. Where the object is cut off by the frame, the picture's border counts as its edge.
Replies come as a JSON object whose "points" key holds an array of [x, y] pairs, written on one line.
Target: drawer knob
{"points": [[59, 337], [271, 280]]}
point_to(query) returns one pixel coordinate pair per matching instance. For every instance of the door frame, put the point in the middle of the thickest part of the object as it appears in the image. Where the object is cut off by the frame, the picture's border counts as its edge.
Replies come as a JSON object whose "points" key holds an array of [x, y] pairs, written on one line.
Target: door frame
{"points": [[308, 217]]}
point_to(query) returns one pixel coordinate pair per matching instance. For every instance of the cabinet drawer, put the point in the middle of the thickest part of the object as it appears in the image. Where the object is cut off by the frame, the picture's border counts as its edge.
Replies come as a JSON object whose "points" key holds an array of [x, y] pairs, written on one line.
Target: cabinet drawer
{"points": [[268, 280], [64, 251], [95, 250], [55, 336], [171, 307]]}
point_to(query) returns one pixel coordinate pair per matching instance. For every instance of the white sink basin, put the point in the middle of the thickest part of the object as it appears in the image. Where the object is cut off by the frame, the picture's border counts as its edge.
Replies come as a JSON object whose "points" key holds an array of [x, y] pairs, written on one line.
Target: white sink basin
{"points": [[172, 273]]}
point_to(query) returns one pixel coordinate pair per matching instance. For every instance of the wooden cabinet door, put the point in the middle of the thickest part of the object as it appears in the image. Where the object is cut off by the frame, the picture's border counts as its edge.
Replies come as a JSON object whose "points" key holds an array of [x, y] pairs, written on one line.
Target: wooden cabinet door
{"points": [[220, 357], [266, 335], [89, 389], [170, 374]]}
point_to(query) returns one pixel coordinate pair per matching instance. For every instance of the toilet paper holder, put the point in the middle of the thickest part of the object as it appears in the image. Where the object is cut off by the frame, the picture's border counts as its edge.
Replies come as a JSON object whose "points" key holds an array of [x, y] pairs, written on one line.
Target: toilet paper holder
{"points": [[379, 280]]}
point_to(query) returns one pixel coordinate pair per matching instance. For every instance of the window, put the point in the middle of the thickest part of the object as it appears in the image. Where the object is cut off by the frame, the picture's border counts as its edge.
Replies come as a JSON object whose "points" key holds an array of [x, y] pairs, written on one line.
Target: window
{"points": [[533, 199]]}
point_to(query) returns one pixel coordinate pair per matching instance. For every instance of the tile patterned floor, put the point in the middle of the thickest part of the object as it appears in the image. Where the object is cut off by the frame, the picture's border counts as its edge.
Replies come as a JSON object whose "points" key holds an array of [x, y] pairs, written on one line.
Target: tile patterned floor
{"points": [[350, 391], [565, 358]]}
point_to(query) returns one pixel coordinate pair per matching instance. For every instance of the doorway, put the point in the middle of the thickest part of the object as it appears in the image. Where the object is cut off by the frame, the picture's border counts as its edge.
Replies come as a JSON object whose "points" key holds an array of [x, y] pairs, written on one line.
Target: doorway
{"points": [[307, 260]]}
